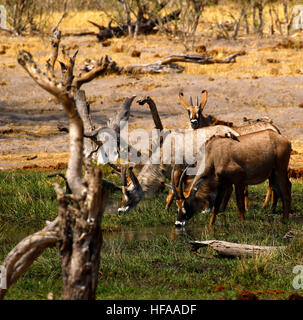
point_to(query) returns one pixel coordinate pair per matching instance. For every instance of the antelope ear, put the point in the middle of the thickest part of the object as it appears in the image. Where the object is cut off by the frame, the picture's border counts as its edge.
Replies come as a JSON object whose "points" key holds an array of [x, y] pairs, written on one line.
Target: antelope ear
{"points": [[184, 102], [204, 100]]}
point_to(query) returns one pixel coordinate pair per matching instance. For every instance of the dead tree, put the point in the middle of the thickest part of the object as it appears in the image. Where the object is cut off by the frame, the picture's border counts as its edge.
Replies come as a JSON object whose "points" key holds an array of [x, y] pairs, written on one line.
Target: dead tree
{"points": [[258, 5], [287, 22], [77, 229], [187, 25], [141, 26]]}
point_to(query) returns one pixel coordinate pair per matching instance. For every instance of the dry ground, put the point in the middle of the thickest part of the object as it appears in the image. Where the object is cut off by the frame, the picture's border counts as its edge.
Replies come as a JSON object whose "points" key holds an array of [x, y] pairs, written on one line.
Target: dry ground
{"points": [[252, 87]]}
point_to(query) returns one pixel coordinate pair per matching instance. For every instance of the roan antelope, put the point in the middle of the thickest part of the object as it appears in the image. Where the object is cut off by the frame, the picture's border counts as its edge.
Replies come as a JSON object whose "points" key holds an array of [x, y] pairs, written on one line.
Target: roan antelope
{"points": [[198, 119], [249, 160]]}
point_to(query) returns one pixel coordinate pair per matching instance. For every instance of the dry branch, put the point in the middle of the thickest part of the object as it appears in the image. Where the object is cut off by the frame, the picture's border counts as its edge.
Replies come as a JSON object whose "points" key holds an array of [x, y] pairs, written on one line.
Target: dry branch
{"points": [[168, 64], [153, 110], [234, 249], [141, 26], [26, 252], [54, 53]]}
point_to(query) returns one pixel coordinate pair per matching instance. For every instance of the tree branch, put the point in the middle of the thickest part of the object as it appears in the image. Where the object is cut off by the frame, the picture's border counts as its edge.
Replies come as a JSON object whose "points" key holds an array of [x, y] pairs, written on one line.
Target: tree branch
{"points": [[27, 251]]}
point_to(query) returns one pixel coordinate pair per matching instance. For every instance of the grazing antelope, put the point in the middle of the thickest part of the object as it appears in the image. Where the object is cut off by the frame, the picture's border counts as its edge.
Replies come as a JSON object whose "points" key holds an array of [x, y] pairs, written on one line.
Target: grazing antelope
{"points": [[152, 176], [250, 160], [200, 120]]}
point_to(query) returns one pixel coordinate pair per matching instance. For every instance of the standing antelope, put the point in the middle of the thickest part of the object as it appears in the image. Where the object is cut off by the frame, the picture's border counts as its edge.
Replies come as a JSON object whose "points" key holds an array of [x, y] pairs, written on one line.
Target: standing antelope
{"points": [[200, 120], [249, 160]]}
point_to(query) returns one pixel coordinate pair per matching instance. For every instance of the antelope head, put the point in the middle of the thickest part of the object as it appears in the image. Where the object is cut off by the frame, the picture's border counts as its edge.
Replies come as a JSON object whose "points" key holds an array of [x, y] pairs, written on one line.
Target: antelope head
{"points": [[195, 112], [132, 192], [187, 202]]}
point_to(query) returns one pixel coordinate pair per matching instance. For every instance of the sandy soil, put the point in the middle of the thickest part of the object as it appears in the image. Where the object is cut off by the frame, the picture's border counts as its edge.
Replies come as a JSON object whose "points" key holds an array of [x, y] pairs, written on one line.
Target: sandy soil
{"points": [[29, 116]]}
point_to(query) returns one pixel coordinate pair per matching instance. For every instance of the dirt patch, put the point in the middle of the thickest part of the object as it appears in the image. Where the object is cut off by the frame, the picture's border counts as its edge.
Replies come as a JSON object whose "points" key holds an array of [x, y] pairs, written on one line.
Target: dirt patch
{"points": [[259, 84]]}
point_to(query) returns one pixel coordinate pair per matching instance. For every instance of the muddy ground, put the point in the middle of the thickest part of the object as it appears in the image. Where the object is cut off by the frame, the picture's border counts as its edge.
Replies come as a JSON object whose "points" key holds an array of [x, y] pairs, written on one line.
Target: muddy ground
{"points": [[29, 116]]}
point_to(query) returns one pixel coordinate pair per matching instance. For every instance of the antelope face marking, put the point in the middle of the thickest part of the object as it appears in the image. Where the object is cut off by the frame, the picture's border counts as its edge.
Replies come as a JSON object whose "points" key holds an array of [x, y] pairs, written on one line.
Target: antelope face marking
{"points": [[123, 209], [194, 115], [131, 197], [180, 224], [184, 213], [194, 111]]}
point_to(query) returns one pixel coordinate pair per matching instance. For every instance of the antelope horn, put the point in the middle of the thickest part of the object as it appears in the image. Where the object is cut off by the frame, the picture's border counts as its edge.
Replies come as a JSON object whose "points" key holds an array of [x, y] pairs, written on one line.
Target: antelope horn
{"points": [[123, 178], [116, 168], [194, 188], [191, 101], [180, 186], [176, 193], [197, 103], [181, 96], [133, 177]]}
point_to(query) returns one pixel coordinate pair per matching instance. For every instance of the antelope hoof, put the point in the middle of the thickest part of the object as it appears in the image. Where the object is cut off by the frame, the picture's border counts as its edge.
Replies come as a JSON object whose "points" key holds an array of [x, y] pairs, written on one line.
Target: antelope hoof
{"points": [[180, 224]]}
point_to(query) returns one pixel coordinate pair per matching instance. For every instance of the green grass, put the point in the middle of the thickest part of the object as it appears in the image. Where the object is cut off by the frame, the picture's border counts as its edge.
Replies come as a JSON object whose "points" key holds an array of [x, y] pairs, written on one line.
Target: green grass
{"points": [[162, 267]]}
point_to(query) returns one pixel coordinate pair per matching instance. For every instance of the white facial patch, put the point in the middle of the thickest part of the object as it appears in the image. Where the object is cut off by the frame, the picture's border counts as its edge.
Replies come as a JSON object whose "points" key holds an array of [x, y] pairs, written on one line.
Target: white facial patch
{"points": [[124, 209], [180, 223], [131, 187]]}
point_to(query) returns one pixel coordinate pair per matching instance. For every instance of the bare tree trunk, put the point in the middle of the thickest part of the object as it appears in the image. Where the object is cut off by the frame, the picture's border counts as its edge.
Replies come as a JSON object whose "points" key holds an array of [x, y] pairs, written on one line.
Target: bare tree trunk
{"points": [[285, 9], [255, 24], [260, 27], [272, 29], [238, 22], [128, 19], [81, 241], [246, 23]]}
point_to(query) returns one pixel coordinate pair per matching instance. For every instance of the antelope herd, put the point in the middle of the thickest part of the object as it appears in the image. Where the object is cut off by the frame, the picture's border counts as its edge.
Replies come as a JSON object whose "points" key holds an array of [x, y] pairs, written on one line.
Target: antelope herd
{"points": [[224, 156], [236, 156]]}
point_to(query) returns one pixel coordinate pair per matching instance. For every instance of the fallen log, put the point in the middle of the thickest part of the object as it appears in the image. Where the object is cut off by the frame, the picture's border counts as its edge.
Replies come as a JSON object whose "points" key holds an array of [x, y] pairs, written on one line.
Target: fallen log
{"points": [[168, 64], [231, 249]]}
